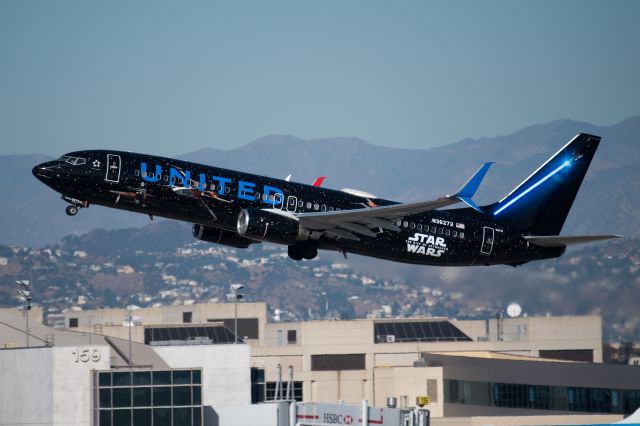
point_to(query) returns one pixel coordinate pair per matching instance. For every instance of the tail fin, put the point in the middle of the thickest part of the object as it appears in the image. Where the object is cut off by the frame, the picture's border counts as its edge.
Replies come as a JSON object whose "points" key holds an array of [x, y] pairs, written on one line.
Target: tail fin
{"points": [[541, 203]]}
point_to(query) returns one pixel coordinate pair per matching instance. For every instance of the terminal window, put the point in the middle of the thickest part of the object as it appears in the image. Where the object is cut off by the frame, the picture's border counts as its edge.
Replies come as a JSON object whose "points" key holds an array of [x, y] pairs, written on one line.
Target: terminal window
{"points": [[148, 397], [542, 397]]}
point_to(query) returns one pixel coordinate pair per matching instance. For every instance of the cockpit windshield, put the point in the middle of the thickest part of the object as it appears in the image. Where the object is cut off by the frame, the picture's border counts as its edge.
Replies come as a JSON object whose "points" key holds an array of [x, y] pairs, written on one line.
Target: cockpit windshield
{"points": [[74, 161]]}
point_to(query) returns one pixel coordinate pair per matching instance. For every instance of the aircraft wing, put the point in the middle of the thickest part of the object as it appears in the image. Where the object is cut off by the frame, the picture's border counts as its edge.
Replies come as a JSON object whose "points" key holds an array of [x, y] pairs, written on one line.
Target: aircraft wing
{"points": [[561, 241], [347, 223]]}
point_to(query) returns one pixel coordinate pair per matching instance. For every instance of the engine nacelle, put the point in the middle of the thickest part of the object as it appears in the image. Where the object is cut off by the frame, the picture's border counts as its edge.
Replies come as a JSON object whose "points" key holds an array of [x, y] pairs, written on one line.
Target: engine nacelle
{"points": [[264, 225], [220, 236]]}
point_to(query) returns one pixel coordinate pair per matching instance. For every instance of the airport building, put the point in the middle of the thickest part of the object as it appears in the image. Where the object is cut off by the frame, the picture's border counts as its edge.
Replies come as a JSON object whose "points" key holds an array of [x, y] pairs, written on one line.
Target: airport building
{"points": [[76, 378], [184, 368]]}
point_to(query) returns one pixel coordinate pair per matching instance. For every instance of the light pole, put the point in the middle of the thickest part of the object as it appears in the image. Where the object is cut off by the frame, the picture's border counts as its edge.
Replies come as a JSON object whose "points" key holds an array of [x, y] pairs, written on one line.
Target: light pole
{"points": [[25, 292], [130, 309], [235, 297]]}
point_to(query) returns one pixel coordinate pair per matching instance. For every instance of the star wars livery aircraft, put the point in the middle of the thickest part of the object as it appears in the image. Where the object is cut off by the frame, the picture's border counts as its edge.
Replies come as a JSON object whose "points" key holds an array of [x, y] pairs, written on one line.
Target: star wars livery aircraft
{"points": [[239, 209]]}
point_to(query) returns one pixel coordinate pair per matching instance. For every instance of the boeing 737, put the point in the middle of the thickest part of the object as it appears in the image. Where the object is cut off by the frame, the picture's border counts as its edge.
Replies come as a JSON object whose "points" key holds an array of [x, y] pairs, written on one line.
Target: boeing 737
{"points": [[239, 209]]}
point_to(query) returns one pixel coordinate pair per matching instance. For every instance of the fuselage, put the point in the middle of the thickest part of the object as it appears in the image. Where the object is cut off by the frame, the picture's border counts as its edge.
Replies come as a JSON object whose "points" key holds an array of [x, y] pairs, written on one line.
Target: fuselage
{"points": [[165, 187]]}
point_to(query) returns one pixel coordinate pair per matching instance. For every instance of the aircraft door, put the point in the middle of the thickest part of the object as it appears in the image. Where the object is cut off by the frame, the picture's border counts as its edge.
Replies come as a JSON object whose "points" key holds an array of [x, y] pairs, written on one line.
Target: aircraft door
{"points": [[488, 235], [292, 203], [113, 168]]}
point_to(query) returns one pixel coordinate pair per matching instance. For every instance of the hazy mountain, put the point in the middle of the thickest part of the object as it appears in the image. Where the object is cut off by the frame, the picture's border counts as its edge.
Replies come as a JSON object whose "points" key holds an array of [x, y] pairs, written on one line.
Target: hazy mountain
{"points": [[609, 201]]}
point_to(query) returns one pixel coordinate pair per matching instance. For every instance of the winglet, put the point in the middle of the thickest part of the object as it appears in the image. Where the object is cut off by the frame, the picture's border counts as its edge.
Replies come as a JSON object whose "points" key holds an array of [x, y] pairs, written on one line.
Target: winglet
{"points": [[468, 190]]}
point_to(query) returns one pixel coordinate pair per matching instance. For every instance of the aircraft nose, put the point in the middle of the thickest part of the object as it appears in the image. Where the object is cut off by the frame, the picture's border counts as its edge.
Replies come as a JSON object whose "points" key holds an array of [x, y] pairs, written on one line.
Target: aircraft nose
{"points": [[45, 170]]}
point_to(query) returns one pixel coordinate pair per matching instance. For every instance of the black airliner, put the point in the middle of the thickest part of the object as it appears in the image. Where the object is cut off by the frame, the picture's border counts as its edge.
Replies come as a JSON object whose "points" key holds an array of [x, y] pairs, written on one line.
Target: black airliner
{"points": [[239, 209]]}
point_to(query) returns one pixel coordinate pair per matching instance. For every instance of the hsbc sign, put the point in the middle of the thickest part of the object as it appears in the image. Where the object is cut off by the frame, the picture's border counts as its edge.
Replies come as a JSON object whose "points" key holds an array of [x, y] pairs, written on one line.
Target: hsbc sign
{"points": [[339, 419], [318, 413]]}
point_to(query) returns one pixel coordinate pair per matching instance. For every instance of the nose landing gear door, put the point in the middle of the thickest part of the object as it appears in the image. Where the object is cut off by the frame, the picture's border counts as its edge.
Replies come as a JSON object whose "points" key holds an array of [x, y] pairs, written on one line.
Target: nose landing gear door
{"points": [[488, 235], [113, 168]]}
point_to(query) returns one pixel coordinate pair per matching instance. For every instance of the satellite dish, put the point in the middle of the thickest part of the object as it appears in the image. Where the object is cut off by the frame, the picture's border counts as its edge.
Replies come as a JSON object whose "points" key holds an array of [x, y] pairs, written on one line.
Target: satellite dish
{"points": [[514, 310]]}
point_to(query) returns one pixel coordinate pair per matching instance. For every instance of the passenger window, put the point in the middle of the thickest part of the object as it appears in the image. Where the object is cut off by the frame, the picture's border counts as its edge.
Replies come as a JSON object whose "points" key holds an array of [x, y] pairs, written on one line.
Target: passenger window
{"points": [[419, 227], [433, 229], [257, 195], [271, 198], [330, 208], [461, 235], [165, 178], [405, 224], [440, 230], [308, 205], [227, 190], [173, 180], [151, 175], [137, 172], [447, 232], [412, 225], [316, 206], [323, 208], [300, 203], [454, 233]]}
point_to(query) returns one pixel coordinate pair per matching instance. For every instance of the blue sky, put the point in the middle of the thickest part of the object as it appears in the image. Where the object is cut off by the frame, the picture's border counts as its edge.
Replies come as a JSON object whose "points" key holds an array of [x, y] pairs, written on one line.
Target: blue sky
{"points": [[171, 77]]}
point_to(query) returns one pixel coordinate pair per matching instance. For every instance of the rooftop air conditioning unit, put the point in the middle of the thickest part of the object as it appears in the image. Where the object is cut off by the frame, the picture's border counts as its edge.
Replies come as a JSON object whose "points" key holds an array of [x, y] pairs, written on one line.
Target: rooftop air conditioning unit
{"points": [[391, 338]]}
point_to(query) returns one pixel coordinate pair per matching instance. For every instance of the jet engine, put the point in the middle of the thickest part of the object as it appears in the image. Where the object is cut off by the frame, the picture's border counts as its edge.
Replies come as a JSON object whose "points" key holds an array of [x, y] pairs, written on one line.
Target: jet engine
{"points": [[220, 236], [264, 225]]}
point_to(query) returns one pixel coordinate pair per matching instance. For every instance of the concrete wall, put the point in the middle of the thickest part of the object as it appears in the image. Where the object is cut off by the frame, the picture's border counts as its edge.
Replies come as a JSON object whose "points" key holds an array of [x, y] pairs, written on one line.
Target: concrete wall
{"points": [[409, 382], [26, 392], [72, 390], [276, 414], [226, 376], [528, 335], [47, 386]]}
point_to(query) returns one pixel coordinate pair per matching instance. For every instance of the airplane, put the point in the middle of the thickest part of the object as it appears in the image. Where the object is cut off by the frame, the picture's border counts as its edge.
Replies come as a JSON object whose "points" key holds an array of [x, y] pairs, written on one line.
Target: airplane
{"points": [[238, 209]]}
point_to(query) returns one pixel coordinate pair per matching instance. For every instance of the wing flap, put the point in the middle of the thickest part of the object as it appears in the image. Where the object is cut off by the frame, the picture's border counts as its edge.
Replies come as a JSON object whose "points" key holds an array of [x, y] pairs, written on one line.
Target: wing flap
{"points": [[564, 241]]}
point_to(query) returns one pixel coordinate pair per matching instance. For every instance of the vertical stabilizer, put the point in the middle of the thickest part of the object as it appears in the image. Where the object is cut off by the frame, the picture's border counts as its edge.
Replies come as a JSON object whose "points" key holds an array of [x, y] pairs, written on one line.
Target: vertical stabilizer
{"points": [[541, 203]]}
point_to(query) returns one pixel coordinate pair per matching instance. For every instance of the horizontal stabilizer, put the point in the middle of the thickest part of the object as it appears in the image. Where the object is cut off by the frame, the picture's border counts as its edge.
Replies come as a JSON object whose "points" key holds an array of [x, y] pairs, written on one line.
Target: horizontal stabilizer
{"points": [[561, 241]]}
